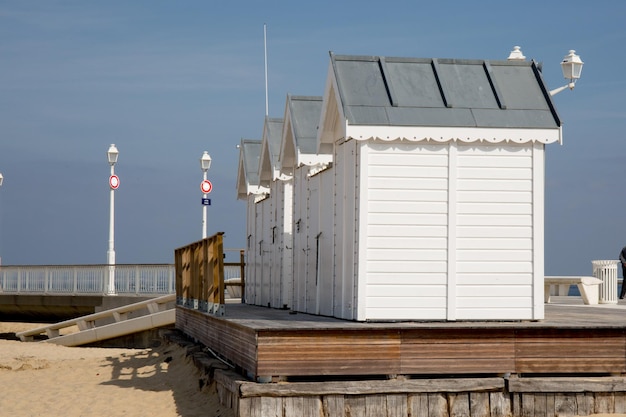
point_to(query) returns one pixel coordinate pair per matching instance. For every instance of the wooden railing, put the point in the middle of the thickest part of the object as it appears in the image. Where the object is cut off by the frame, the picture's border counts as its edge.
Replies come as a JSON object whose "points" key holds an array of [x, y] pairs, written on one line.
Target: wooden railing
{"points": [[200, 274]]}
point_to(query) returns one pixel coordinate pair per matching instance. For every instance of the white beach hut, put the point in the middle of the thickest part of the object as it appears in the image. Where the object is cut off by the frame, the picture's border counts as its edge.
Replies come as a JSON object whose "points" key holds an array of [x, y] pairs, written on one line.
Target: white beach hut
{"points": [[435, 205], [248, 189], [274, 245], [303, 164]]}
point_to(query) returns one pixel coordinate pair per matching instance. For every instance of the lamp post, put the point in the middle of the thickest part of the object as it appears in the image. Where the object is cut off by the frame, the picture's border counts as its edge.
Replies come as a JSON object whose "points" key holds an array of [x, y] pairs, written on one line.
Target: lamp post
{"points": [[114, 182], [205, 164], [571, 66]]}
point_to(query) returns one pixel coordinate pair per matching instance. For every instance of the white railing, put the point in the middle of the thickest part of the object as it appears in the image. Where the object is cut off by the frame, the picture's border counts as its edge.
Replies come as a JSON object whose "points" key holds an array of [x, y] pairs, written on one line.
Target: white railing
{"points": [[87, 279], [158, 314], [141, 279]]}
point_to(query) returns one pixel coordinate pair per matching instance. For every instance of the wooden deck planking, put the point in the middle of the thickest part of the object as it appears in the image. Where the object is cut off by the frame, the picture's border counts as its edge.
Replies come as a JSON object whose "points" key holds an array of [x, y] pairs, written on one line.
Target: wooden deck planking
{"points": [[282, 353], [274, 343], [570, 366], [446, 350], [571, 351], [234, 343]]}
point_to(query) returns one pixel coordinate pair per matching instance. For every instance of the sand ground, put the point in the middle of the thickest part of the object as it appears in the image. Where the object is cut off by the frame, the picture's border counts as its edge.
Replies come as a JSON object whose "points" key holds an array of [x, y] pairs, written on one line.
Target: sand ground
{"points": [[38, 379]]}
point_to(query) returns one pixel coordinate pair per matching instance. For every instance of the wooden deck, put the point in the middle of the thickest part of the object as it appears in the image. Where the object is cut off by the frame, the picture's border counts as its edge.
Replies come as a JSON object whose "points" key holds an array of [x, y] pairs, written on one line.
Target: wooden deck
{"points": [[269, 344]]}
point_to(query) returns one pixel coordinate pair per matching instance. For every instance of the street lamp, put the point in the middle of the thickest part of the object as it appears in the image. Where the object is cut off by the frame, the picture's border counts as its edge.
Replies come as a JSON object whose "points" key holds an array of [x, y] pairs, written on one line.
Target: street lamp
{"points": [[572, 66], [205, 164], [114, 182]]}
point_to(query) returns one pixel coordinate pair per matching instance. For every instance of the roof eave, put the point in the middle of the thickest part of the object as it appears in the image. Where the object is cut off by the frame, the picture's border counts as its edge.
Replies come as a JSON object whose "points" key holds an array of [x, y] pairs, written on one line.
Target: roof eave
{"points": [[454, 134]]}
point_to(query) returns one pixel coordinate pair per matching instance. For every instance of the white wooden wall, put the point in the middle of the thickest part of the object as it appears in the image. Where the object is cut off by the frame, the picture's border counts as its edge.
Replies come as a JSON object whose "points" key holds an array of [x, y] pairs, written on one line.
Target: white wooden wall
{"points": [[325, 287], [405, 266], [313, 238], [449, 231], [265, 249], [286, 246], [259, 254], [276, 228], [281, 244], [269, 272], [251, 251], [300, 243], [495, 257], [345, 223]]}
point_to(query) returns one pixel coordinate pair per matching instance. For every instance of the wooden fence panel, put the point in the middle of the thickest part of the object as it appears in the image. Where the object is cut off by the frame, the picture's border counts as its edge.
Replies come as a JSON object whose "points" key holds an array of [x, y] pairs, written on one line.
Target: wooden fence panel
{"points": [[200, 274]]}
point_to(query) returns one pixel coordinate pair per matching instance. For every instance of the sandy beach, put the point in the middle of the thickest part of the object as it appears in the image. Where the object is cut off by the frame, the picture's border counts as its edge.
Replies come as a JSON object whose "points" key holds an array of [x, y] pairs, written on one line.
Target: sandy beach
{"points": [[44, 379]]}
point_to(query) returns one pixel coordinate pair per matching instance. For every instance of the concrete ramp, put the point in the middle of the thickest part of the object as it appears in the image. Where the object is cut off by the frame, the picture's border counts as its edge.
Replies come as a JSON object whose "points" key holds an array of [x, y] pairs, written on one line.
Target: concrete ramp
{"points": [[157, 312]]}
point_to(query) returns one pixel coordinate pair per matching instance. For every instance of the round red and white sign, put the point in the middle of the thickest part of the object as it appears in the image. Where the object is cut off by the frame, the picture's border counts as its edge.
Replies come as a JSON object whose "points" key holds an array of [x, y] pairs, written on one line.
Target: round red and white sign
{"points": [[206, 186], [114, 182]]}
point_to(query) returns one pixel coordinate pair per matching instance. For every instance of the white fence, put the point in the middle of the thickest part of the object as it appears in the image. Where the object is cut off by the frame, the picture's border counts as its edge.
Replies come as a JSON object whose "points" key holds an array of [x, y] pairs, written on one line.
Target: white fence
{"points": [[87, 279], [146, 279]]}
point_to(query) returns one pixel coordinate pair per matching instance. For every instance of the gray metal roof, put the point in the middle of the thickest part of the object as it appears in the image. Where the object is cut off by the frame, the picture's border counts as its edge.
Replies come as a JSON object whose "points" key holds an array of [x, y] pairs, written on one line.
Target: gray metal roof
{"points": [[305, 115], [273, 134], [270, 149], [386, 91], [251, 153]]}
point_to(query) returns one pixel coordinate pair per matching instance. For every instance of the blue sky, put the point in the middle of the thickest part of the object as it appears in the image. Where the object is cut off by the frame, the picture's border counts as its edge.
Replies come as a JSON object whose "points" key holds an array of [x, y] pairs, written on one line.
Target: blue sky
{"points": [[166, 80]]}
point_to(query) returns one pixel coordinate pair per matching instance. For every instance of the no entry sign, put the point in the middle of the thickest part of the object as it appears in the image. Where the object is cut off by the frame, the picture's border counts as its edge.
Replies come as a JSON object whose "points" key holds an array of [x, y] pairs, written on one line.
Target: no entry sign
{"points": [[206, 186], [114, 182]]}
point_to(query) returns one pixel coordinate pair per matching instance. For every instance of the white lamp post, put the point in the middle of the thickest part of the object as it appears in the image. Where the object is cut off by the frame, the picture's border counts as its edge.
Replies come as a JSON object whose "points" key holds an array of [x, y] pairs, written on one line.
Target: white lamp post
{"points": [[572, 66], [205, 164], [114, 182]]}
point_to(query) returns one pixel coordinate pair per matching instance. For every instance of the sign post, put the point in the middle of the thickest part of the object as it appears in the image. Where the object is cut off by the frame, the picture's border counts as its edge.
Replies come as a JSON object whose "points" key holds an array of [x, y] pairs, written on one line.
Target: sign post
{"points": [[206, 187]]}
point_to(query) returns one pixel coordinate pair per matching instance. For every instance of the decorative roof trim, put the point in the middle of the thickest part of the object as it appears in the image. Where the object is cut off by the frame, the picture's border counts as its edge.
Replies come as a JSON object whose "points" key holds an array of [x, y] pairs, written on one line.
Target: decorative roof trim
{"points": [[454, 134], [314, 170], [258, 190], [306, 159]]}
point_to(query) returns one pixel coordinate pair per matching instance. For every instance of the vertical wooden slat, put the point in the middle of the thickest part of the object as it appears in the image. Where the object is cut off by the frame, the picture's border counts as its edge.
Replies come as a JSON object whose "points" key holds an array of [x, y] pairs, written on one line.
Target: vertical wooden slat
{"points": [[528, 405], [550, 405], [355, 406], [540, 405], [397, 405], [334, 405], [200, 272], [620, 403], [178, 284], [437, 405], [271, 407], [250, 407], [585, 403], [218, 267], [499, 405], [418, 405], [479, 404], [375, 406], [565, 404], [312, 407], [605, 403], [459, 404], [294, 407]]}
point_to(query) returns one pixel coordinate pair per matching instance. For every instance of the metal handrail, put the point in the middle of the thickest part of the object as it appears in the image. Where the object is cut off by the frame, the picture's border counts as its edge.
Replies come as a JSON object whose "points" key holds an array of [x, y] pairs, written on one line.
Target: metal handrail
{"points": [[130, 279], [135, 279]]}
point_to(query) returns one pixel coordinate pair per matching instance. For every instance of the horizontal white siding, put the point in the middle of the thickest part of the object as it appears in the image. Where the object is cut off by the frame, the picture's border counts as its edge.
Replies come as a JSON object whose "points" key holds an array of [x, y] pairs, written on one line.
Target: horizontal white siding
{"points": [[494, 238], [407, 211]]}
